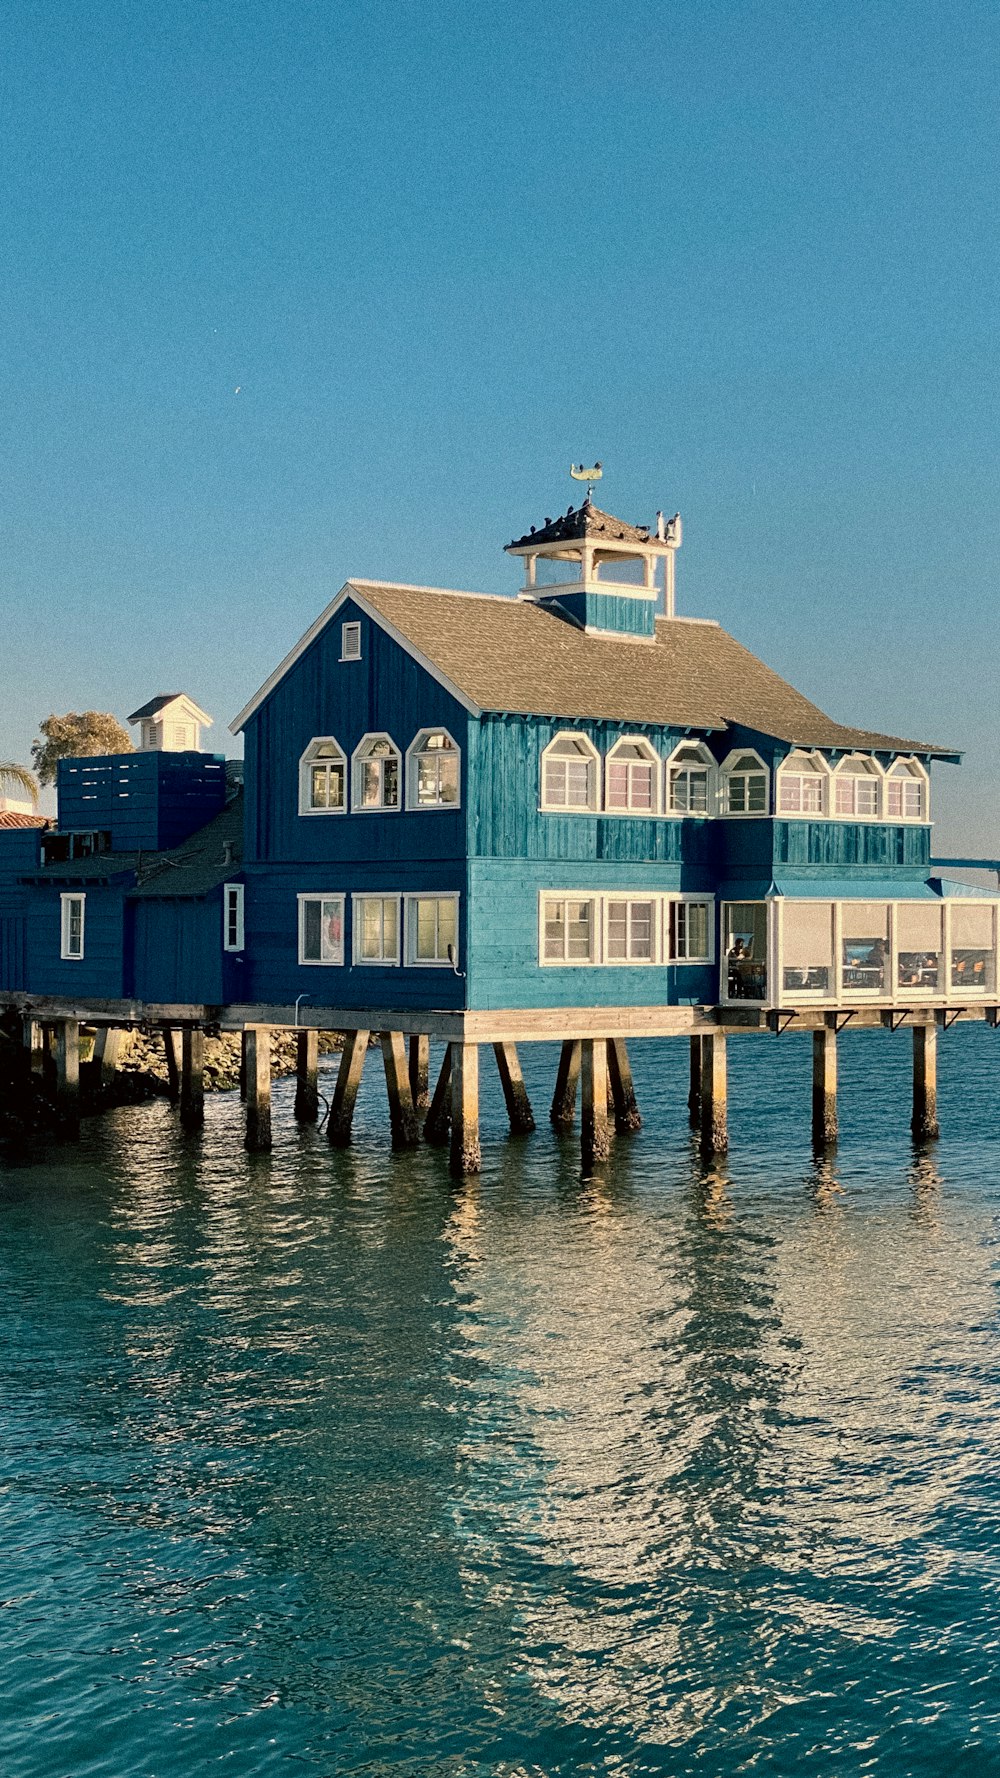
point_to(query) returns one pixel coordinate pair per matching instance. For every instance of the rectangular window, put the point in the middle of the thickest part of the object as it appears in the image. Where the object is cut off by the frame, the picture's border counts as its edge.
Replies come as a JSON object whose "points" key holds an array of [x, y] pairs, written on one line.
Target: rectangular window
{"points": [[431, 929], [71, 926], [973, 956], [905, 799], [232, 916], [865, 947], [350, 642], [918, 945], [568, 783], [376, 929], [630, 932], [800, 793], [689, 931], [807, 947], [568, 928], [744, 935], [321, 929]]}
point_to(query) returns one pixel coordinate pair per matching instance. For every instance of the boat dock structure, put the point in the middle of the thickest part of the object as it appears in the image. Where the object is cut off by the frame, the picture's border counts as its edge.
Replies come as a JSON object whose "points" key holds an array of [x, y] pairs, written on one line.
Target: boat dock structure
{"points": [[567, 816]]}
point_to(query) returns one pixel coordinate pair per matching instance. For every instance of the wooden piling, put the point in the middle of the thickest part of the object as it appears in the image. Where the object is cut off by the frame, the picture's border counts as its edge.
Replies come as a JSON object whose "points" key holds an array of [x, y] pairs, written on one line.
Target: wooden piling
{"points": [[107, 1046], [258, 1050], [307, 1077], [420, 1069], [595, 1140], [345, 1092], [924, 1122], [694, 1086], [402, 1117], [824, 1086], [243, 1064], [564, 1099], [626, 1109], [714, 1118], [172, 1050], [68, 1076], [466, 1155], [438, 1121], [515, 1093], [192, 1077]]}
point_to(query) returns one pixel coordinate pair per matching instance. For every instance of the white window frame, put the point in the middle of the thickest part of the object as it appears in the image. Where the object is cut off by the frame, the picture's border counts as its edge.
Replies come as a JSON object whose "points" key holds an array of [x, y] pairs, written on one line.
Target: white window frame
{"points": [[357, 923], [410, 930], [802, 763], [65, 921], [629, 897], [565, 895], [417, 748], [875, 775], [585, 749], [709, 761], [706, 900], [359, 758], [728, 773], [321, 895], [905, 770], [650, 758], [310, 759], [236, 890], [350, 633]]}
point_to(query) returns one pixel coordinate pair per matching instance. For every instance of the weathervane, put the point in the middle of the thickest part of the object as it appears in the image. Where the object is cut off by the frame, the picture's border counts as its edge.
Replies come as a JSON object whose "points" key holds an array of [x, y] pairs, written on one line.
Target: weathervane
{"points": [[589, 476]]}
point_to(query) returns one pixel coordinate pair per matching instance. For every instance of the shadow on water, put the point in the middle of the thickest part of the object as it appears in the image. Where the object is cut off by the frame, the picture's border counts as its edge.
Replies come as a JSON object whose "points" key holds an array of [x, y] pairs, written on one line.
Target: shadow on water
{"points": [[315, 1461]]}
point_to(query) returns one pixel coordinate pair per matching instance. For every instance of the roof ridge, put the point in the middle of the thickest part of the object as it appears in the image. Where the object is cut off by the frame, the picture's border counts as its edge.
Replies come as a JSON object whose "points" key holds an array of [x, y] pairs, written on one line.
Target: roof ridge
{"points": [[447, 592]]}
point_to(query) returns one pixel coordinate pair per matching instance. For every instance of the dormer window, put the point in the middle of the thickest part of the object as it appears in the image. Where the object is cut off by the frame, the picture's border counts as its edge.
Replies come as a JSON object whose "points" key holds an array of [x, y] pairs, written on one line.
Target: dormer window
{"points": [[744, 785], [433, 764], [350, 642], [690, 780], [570, 774], [323, 778], [857, 781], [803, 779], [376, 774], [632, 776], [906, 792]]}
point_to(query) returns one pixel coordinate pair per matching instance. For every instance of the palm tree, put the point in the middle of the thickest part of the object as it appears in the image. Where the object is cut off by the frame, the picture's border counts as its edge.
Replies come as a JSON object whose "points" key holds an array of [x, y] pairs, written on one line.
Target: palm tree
{"points": [[15, 779]]}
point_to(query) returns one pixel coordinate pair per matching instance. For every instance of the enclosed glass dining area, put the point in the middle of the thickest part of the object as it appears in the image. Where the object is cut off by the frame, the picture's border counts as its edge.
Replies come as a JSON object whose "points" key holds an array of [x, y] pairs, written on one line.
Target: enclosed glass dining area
{"points": [[940, 948]]}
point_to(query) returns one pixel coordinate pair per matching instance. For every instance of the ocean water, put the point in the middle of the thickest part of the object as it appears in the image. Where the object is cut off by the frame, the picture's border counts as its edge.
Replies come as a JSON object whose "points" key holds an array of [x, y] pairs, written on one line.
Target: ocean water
{"points": [[317, 1463]]}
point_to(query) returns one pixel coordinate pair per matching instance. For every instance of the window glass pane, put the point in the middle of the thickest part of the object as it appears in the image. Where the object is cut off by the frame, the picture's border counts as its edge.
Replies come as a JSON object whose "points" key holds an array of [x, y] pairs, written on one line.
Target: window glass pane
{"points": [[617, 784], [867, 796], [617, 931], [865, 942], [311, 922], [555, 783], [332, 929], [578, 783], [642, 785], [448, 778], [371, 929], [579, 926], [427, 780], [757, 794], [696, 923], [427, 930], [555, 929], [745, 928], [371, 784], [845, 795], [390, 783], [812, 794], [972, 960], [390, 915], [790, 792], [738, 795], [913, 799], [641, 930], [447, 926], [318, 797], [807, 946]]}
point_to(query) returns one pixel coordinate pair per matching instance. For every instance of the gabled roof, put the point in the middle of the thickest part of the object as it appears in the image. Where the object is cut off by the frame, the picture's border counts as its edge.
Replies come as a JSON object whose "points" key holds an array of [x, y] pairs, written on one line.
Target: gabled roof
{"points": [[161, 703], [510, 655], [584, 521]]}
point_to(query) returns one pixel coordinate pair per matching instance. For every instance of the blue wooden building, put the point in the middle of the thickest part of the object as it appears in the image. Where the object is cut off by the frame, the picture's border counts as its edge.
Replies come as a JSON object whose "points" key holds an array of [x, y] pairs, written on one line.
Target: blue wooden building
{"points": [[568, 813]]}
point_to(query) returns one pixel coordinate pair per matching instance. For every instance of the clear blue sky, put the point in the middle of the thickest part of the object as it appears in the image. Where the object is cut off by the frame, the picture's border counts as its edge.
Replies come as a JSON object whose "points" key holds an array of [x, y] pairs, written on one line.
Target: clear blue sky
{"points": [[748, 255]]}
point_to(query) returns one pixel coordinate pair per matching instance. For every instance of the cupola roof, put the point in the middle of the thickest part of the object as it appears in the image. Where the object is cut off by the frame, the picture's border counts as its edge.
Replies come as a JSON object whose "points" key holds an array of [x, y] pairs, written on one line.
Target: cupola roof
{"points": [[581, 522]]}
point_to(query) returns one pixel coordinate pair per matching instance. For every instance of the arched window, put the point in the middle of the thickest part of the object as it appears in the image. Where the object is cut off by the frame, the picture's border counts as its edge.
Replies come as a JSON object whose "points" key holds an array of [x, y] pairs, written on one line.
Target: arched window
{"points": [[803, 785], [323, 778], [376, 774], [691, 780], [571, 774], [857, 783], [632, 778], [433, 765], [906, 790], [744, 785]]}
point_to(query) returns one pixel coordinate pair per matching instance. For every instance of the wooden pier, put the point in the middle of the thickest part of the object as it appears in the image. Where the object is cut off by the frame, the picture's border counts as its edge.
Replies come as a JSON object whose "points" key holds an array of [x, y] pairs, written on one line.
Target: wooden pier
{"points": [[594, 1064]]}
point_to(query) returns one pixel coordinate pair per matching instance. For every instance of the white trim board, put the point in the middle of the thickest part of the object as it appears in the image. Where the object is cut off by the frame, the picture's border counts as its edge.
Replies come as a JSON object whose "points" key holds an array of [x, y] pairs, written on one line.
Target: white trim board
{"points": [[352, 589]]}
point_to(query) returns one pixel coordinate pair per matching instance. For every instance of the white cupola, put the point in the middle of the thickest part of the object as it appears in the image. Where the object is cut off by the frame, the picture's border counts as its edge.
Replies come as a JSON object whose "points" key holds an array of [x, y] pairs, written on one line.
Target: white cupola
{"points": [[170, 723]]}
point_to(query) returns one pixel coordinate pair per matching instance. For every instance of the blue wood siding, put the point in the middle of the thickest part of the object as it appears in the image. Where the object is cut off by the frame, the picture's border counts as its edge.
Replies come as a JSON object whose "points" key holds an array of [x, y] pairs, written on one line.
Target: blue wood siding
{"points": [[614, 612], [99, 973], [178, 954], [504, 970], [386, 690], [846, 843], [147, 801]]}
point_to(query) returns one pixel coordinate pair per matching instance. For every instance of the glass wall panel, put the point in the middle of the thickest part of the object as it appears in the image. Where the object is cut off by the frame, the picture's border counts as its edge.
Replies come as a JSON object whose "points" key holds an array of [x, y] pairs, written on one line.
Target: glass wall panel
{"points": [[745, 928], [918, 943], [807, 947], [865, 942], [973, 958]]}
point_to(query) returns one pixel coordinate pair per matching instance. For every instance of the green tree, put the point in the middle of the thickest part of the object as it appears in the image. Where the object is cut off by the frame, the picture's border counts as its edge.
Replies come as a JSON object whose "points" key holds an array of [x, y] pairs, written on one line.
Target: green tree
{"points": [[76, 736], [15, 780]]}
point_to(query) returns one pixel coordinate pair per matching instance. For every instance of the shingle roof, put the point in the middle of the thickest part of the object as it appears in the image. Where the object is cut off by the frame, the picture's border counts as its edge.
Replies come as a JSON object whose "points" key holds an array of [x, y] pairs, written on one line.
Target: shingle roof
{"points": [[155, 704], [510, 655], [584, 521], [200, 864]]}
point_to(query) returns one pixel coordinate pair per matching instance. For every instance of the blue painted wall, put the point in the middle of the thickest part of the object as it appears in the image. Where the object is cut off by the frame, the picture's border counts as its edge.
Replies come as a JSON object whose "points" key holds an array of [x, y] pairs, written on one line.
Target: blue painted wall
{"points": [[99, 973], [178, 955], [20, 849], [614, 612], [147, 801]]}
